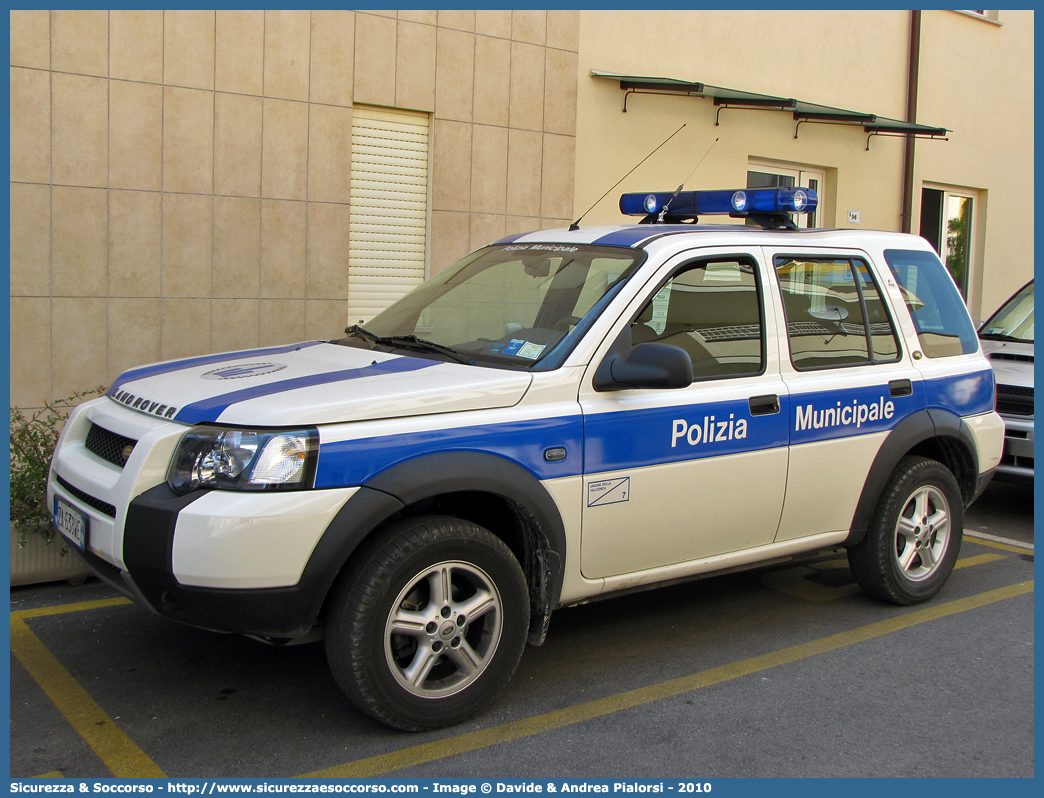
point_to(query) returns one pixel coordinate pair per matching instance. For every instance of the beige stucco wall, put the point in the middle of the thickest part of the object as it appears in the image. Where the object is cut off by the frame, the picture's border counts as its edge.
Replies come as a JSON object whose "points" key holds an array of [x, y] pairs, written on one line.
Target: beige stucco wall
{"points": [[770, 52], [180, 180], [975, 80]]}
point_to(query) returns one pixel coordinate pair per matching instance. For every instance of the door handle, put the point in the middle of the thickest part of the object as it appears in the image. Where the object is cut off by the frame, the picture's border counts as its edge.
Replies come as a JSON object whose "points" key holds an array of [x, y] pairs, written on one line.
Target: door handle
{"points": [[764, 405], [900, 388]]}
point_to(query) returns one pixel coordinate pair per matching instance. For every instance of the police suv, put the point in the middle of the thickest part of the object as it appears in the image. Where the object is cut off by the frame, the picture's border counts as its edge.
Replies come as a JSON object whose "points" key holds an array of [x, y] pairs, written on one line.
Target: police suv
{"points": [[558, 417]]}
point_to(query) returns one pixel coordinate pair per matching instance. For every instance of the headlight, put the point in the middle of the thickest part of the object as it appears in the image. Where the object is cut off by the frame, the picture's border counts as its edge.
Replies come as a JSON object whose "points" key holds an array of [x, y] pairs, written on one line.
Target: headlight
{"points": [[243, 459]]}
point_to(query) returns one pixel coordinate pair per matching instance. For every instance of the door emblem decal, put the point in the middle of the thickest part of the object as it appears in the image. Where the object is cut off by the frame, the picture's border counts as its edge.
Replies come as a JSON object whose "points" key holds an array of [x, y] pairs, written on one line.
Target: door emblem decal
{"points": [[608, 491]]}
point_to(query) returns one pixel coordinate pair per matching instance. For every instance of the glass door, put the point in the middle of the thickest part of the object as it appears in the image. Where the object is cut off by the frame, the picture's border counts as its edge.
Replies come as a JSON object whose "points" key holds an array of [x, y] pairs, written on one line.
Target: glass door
{"points": [[947, 221], [773, 176]]}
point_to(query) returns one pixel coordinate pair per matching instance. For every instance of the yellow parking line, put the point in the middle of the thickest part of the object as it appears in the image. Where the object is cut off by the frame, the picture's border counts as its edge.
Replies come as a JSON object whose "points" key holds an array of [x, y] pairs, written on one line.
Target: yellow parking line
{"points": [[794, 581], [99, 731], [54, 774], [981, 559], [991, 544], [472, 741], [61, 609]]}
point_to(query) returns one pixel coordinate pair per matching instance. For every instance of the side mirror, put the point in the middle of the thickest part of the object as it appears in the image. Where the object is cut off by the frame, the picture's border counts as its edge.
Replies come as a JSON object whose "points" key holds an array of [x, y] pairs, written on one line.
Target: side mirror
{"points": [[648, 365]]}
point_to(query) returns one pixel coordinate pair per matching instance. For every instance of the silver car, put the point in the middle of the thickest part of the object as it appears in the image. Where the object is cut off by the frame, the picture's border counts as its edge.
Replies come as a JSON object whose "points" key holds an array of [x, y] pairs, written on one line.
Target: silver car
{"points": [[1007, 340]]}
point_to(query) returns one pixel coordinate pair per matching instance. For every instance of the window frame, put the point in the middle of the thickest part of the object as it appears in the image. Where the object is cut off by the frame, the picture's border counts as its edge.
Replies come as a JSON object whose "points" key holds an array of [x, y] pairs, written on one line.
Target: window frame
{"points": [[850, 258], [742, 257], [803, 174], [898, 253], [972, 278]]}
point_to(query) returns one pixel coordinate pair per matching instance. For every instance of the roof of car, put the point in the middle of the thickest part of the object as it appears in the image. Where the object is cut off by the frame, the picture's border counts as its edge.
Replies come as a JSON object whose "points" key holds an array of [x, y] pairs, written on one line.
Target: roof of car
{"points": [[638, 235]]}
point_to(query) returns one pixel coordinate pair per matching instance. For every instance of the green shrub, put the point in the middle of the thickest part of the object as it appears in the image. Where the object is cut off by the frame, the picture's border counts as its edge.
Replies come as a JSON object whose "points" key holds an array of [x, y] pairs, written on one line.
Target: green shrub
{"points": [[33, 439]]}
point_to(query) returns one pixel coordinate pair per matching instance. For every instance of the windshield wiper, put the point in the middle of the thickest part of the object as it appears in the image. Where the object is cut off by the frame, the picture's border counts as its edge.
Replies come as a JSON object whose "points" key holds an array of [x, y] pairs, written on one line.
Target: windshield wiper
{"points": [[409, 342], [361, 332], [1004, 337]]}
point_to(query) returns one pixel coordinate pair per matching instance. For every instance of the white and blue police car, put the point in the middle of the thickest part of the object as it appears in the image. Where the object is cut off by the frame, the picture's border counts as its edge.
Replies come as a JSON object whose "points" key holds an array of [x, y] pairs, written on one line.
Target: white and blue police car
{"points": [[560, 416]]}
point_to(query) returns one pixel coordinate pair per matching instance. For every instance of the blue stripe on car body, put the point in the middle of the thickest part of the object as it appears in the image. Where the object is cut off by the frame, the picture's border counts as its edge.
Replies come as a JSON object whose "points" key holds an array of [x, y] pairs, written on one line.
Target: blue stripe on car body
{"points": [[846, 412], [205, 360], [209, 409], [618, 440], [637, 235], [512, 239], [630, 236], [967, 394], [354, 462], [639, 438]]}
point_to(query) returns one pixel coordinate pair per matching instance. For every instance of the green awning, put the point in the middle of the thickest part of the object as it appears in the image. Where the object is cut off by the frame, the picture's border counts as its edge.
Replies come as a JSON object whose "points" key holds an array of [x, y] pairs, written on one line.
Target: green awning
{"points": [[736, 98], [653, 84], [883, 125], [810, 112]]}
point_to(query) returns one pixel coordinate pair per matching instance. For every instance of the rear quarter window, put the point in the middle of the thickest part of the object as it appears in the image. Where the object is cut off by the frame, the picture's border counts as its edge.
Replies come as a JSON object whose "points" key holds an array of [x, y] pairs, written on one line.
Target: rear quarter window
{"points": [[940, 317]]}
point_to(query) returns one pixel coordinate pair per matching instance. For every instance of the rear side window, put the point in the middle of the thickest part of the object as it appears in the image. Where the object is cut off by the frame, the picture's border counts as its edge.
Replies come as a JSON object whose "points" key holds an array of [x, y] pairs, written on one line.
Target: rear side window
{"points": [[943, 326], [712, 310], [835, 314]]}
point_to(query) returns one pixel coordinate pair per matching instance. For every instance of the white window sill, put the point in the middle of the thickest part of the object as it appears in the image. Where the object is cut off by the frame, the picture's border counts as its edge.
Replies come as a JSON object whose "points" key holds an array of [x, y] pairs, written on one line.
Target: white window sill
{"points": [[979, 17]]}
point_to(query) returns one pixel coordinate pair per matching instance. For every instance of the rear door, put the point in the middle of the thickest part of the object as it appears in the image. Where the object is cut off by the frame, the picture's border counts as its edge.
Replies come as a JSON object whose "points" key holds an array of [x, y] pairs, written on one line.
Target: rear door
{"points": [[677, 475], [849, 381]]}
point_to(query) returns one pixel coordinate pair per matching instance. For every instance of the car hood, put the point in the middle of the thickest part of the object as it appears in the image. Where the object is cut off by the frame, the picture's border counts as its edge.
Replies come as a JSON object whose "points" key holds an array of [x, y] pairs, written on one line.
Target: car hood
{"points": [[1012, 362], [312, 383]]}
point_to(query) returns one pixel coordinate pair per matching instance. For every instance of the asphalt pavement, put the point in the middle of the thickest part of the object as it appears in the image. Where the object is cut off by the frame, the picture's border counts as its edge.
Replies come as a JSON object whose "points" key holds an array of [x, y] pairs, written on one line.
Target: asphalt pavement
{"points": [[787, 671]]}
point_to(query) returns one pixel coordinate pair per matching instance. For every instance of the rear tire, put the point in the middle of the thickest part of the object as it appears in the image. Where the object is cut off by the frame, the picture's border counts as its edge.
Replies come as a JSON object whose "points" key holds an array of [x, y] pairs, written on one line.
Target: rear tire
{"points": [[914, 536], [429, 624]]}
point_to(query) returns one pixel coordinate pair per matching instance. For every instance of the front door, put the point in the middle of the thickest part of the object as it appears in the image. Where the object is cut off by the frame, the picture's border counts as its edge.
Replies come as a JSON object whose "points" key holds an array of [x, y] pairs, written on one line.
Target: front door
{"points": [[672, 476]]}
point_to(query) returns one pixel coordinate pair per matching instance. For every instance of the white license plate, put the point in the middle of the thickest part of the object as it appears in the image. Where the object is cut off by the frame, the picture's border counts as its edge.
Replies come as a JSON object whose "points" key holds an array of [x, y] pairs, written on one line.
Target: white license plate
{"points": [[71, 523]]}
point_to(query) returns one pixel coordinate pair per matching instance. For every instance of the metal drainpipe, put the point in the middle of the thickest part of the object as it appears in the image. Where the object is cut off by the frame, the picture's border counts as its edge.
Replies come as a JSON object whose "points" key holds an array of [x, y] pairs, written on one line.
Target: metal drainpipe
{"points": [[911, 116]]}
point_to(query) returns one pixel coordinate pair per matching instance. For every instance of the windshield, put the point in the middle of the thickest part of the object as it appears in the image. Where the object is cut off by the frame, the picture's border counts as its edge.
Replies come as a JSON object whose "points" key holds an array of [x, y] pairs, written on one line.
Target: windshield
{"points": [[1015, 318], [519, 305]]}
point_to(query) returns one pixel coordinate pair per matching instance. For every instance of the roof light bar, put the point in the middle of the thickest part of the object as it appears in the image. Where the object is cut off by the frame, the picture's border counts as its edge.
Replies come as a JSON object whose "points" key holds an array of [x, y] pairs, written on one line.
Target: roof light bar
{"points": [[734, 202]]}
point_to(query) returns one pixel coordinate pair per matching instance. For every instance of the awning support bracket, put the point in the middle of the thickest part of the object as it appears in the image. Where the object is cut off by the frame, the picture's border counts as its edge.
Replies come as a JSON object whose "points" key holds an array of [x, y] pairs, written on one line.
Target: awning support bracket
{"points": [[803, 120], [783, 105], [630, 91], [903, 135]]}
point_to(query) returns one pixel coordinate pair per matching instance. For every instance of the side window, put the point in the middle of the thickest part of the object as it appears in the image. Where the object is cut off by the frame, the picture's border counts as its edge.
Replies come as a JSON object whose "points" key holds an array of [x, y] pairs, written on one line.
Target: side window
{"points": [[884, 348], [939, 315], [711, 309], [835, 314]]}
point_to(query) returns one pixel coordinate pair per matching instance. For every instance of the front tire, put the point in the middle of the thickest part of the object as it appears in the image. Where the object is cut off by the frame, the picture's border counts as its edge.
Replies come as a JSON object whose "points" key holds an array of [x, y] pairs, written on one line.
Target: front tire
{"points": [[915, 534], [429, 624]]}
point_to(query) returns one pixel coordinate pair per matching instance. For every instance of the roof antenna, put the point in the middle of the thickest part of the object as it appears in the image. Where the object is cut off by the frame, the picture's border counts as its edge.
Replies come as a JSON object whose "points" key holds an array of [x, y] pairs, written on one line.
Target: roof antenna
{"points": [[677, 191], [576, 225]]}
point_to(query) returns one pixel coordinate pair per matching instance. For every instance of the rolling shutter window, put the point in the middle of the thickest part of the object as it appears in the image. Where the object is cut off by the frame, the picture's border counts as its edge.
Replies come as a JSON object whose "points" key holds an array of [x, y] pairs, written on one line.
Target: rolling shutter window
{"points": [[389, 208]]}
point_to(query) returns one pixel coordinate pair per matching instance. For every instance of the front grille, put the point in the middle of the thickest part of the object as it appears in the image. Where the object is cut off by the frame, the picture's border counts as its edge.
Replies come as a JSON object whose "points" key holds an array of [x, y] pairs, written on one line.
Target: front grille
{"points": [[1015, 390], [109, 446], [1014, 400], [1018, 462], [86, 498], [1013, 408]]}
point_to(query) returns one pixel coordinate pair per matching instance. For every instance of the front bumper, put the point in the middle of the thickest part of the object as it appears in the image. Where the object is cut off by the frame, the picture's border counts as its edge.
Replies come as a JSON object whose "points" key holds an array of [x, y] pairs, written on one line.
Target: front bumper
{"points": [[1017, 461], [274, 612]]}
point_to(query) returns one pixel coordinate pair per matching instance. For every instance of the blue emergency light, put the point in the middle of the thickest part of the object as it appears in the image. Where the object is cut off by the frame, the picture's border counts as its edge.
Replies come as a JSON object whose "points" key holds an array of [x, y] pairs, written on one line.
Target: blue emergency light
{"points": [[733, 202]]}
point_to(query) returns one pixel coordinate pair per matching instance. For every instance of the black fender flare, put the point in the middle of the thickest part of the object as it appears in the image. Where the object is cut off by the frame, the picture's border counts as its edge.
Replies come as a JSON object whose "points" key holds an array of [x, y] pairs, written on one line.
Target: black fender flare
{"points": [[915, 429], [468, 471]]}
